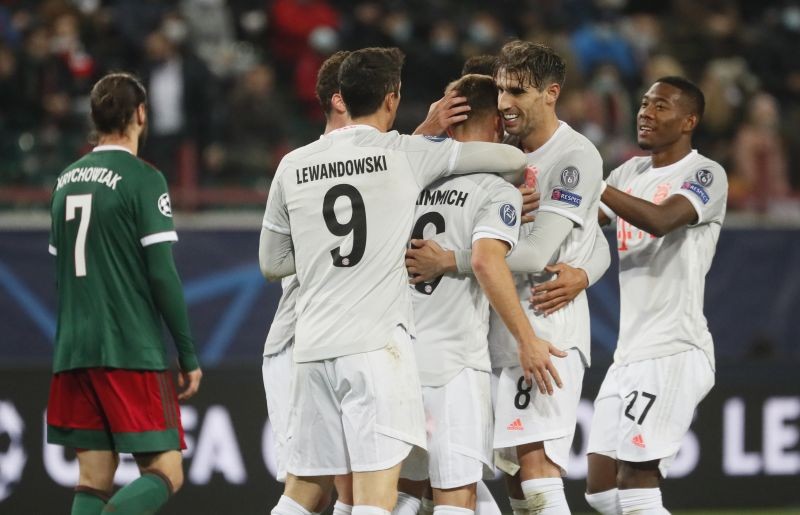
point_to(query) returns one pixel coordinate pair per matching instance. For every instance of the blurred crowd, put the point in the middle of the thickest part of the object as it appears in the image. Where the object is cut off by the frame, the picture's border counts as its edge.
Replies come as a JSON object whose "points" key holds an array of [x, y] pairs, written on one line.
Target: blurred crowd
{"points": [[231, 83]]}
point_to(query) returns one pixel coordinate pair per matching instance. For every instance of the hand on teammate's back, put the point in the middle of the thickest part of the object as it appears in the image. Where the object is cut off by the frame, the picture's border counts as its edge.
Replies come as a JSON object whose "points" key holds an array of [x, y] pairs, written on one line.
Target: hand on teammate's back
{"points": [[426, 260], [448, 110], [189, 383], [553, 295], [534, 358]]}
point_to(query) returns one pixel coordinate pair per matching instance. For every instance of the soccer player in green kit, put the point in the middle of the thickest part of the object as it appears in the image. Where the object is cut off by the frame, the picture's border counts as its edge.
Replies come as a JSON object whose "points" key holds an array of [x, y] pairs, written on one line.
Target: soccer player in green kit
{"points": [[111, 390]]}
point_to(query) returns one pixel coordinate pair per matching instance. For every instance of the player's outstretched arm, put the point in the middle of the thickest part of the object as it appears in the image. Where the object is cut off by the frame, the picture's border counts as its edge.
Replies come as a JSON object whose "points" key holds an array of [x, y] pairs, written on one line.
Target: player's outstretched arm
{"points": [[553, 295], [657, 219], [165, 286], [449, 110], [488, 261], [498, 158], [275, 254]]}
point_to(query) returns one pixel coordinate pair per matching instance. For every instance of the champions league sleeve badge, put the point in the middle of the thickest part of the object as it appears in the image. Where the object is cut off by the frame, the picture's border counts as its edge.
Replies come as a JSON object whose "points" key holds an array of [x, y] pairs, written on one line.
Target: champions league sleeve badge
{"points": [[704, 177], [508, 214], [570, 177], [164, 205]]}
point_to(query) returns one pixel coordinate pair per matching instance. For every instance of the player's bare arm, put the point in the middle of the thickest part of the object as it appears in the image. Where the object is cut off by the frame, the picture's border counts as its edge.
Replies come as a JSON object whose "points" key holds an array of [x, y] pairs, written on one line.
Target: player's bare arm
{"points": [[452, 108], [488, 262], [657, 219]]}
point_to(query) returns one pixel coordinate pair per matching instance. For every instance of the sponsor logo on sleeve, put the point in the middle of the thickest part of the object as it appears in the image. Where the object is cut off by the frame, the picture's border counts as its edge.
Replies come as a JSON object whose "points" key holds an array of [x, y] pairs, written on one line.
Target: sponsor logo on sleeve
{"points": [[164, 205], [697, 190], [567, 197], [508, 214], [704, 177], [570, 177], [435, 139]]}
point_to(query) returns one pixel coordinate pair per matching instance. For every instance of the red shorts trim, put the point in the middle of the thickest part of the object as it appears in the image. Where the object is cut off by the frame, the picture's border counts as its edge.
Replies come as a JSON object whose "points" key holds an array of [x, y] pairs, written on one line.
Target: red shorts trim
{"points": [[114, 401]]}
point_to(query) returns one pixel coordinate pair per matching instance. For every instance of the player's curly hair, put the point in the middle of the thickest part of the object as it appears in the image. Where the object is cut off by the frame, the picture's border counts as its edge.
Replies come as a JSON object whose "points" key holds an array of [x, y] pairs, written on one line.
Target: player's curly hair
{"points": [[328, 79], [113, 100], [366, 76], [532, 64]]}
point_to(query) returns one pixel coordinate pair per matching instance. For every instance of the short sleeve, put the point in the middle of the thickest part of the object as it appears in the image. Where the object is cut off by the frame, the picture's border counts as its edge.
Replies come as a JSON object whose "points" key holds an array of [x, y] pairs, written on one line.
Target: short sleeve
{"points": [[276, 215], [568, 189], [498, 217], [430, 157], [706, 188], [154, 210], [615, 180]]}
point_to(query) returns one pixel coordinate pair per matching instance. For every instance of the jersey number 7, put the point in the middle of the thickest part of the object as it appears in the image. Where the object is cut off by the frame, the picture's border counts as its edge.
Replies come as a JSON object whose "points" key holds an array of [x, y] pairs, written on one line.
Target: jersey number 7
{"points": [[84, 203]]}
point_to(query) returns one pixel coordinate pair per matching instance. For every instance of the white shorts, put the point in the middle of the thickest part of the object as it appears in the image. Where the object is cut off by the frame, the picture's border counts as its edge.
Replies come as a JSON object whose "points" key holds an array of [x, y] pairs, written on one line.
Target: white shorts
{"points": [[644, 409], [277, 372], [523, 415], [356, 413], [459, 425]]}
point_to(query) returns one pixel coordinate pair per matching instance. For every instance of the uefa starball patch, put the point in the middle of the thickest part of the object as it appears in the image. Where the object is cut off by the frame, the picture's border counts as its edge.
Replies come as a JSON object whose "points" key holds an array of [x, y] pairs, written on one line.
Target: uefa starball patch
{"points": [[697, 190], [508, 214], [567, 197], [704, 177], [570, 177], [435, 139], [164, 205]]}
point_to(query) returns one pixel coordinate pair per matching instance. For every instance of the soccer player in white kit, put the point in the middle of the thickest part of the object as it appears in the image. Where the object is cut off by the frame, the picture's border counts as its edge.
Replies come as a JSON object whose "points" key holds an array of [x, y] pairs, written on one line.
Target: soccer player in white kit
{"points": [[669, 208], [540, 426], [277, 363], [340, 209], [452, 314]]}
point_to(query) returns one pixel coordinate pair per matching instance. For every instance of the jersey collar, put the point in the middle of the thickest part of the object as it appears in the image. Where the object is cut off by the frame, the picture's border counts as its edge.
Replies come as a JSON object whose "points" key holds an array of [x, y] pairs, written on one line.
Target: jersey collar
{"points": [[101, 148], [348, 128]]}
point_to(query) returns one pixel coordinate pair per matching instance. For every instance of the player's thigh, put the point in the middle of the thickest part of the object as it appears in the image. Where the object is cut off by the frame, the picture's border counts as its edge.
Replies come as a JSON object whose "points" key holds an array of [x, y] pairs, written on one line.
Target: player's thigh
{"points": [[659, 400], [376, 488], [525, 416], [461, 497], [381, 404], [601, 474], [97, 469]]}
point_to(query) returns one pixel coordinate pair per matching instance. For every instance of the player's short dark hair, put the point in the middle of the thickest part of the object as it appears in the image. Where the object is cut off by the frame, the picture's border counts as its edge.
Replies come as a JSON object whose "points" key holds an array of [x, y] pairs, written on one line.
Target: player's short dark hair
{"points": [[479, 65], [691, 93], [481, 94], [366, 76], [531, 64], [328, 79], [114, 100]]}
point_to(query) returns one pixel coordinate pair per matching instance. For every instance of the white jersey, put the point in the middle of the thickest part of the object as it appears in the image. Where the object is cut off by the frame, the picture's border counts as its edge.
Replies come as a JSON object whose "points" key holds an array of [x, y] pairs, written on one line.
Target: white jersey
{"points": [[281, 331], [662, 280], [347, 200], [451, 313], [569, 174]]}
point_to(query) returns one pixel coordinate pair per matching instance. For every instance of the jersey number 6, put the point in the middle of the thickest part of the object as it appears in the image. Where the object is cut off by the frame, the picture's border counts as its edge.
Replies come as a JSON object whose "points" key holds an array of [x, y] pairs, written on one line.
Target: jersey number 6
{"points": [[418, 233]]}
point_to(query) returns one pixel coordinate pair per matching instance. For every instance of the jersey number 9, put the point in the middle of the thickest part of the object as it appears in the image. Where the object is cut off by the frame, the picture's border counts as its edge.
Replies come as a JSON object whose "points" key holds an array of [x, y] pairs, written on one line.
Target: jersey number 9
{"points": [[357, 224]]}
